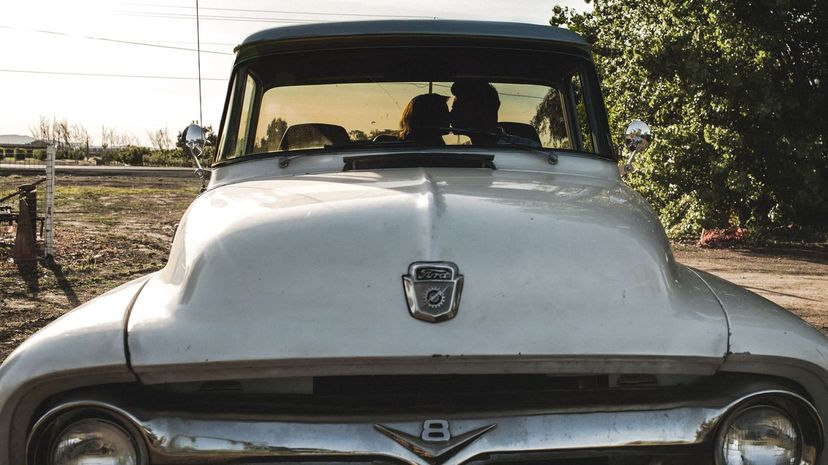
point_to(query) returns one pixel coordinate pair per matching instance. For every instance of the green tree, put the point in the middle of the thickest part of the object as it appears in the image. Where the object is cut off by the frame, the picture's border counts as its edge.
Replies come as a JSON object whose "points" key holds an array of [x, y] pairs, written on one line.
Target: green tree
{"points": [[735, 94], [134, 155], [273, 135], [210, 136], [382, 132], [549, 121], [357, 134]]}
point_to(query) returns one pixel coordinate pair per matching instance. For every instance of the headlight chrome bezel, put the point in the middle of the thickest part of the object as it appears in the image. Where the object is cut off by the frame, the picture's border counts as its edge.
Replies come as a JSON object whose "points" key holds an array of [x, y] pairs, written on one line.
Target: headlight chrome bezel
{"points": [[797, 410], [49, 429]]}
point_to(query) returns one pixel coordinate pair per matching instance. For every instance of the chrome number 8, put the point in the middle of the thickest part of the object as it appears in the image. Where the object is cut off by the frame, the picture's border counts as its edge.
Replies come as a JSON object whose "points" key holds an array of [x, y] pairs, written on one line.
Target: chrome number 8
{"points": [[435, 431]]}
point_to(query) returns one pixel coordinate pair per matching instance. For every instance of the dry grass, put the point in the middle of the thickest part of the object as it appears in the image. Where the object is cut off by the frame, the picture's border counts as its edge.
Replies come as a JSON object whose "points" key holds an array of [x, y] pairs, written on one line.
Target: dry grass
{"points": [[108, 231]]}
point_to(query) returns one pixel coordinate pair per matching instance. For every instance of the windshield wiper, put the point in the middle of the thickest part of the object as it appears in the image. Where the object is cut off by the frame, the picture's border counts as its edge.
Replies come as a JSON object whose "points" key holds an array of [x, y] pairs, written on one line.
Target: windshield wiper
{"points": [[527, 145], [502, 138]]}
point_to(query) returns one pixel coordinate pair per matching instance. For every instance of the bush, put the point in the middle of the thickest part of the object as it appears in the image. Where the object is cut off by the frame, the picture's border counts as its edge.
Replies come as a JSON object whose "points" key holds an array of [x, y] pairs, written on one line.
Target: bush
{"points": [[40, 154], [109, 155], [130, 155], [64, 153], [173, 157], [19, 154], [143, 156], [134, 156]]}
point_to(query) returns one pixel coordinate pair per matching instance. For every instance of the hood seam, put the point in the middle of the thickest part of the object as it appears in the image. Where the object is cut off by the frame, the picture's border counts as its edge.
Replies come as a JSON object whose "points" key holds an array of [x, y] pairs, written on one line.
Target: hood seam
{"points": [[127, 314], [721, 304]]}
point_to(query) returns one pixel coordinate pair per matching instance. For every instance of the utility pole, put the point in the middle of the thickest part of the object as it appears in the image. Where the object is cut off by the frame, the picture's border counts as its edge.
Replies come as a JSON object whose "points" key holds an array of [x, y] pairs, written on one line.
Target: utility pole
{"points": [[198, 54]]}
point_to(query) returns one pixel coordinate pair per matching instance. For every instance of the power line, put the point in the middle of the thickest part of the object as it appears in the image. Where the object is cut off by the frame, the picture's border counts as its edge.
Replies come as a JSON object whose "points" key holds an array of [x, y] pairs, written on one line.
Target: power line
{"points": [[135, 76], [245, 19], [307, 13], [106, 39], [145, 76], [218, 17], [318, 13], [535, 97], [228, 44]]}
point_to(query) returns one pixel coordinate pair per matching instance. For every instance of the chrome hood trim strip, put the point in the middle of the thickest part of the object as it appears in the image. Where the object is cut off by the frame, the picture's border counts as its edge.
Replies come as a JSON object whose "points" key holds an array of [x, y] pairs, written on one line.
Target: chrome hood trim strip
{"points": [[431, 365]]}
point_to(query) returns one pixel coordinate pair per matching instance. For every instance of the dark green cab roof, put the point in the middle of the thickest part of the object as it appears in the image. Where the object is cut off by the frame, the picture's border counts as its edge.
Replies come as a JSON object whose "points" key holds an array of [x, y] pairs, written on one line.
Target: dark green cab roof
{"points": [[419, 28]]}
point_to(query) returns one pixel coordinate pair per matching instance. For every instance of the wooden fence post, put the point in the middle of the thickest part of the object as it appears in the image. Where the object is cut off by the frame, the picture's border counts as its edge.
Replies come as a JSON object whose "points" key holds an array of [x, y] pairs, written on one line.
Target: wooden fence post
{"points": [[25, 246], [49, 221]]}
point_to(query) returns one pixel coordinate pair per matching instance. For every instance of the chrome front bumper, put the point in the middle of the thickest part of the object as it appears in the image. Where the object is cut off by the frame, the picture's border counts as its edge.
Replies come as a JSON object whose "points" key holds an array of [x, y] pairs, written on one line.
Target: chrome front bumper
{"points": [[174, 437]]}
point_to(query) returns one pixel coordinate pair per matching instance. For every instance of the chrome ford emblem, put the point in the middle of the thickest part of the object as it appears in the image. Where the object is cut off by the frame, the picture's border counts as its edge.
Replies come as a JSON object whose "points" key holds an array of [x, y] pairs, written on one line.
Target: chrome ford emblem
{"points": [[432, 290]]}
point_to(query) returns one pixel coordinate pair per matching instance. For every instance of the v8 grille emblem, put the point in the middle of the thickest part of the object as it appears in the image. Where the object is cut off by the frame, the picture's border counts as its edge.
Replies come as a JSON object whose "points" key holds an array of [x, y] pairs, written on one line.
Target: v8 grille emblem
{"points": [[435, 444]]}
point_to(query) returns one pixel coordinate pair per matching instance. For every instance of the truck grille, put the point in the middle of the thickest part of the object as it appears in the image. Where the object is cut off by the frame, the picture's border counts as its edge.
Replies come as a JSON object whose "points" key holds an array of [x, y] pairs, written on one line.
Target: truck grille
{"points": [[409, 386]]}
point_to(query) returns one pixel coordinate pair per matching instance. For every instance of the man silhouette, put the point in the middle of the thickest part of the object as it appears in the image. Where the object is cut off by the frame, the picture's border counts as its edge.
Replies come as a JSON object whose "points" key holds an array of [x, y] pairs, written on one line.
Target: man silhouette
{"points": [[475, 108]]}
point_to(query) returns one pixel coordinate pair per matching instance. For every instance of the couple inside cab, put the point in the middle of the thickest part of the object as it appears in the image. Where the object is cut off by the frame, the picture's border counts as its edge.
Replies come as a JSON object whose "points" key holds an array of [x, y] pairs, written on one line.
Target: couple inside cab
{"points": [[427, 118]]}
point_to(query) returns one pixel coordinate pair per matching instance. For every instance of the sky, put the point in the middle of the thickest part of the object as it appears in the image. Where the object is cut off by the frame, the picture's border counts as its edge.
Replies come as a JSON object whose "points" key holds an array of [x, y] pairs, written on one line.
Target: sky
{"points": [[131, 65]]}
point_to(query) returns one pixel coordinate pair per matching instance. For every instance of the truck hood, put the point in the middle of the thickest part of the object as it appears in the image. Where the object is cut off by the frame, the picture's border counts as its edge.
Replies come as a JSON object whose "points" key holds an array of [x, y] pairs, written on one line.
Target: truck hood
{"points": [[301, 276]]}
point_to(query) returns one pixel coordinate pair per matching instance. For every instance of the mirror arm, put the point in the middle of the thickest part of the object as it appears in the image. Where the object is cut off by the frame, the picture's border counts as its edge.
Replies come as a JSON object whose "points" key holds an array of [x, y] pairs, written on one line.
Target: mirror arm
{"points": [[194, 136], [628, 166], [202, 174]]}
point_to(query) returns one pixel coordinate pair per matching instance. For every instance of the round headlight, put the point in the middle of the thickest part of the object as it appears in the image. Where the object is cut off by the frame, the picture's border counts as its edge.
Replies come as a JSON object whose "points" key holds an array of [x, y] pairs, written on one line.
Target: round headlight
{"points": [[761, 435], [94, 441]]}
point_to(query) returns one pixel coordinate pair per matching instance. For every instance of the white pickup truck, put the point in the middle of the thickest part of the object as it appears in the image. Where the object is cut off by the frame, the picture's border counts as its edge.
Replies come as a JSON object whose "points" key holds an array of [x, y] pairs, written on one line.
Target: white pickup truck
{"points": [[416, 247]]}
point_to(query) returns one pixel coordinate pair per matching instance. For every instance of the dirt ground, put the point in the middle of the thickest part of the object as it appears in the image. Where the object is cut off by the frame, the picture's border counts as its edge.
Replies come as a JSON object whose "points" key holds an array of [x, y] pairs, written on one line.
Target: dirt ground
{"points": [[793, 276], [110, 230]]}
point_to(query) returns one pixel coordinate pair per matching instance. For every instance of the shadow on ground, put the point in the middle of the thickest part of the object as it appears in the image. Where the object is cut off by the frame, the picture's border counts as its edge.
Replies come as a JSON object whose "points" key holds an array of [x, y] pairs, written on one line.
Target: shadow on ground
{"points": [[29, 272], [62, 283], [813, 254]]}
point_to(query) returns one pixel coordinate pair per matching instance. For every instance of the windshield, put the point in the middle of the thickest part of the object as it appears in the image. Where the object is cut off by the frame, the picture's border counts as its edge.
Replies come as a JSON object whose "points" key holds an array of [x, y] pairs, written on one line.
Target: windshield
{"points": [[424, 96]]}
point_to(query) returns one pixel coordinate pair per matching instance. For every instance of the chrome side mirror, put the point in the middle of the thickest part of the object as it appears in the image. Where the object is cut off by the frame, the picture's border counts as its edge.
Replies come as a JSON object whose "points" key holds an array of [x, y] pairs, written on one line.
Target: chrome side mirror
{"points": [[637, 138], [195, 138]]}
